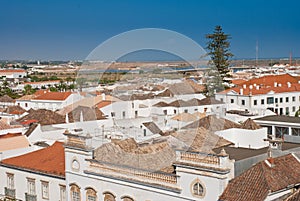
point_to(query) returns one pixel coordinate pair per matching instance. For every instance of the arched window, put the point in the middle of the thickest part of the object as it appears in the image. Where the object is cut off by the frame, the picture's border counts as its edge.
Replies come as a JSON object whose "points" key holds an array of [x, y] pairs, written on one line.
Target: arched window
{"points": [[109, 196], [75, 192], [127, 198], [91, 194], [198, 189]]}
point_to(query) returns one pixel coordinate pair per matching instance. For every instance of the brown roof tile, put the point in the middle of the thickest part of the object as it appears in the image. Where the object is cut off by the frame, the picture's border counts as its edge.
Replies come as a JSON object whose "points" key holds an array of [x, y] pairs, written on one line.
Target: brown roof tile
{"points": [[259, 180], [50, 160]]}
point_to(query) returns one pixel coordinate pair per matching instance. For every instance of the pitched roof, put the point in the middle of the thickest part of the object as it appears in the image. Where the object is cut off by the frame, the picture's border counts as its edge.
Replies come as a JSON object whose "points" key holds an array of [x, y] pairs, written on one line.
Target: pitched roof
{"points": [[201, 140], [250, 125], [152, 127], [89, 114], [59, 96], [15, 109], [12, 71], [256, 182], [13, 141], [43, 116], [269, 80], [50, 160], [185, 117], [212, 123], [6, 99]]}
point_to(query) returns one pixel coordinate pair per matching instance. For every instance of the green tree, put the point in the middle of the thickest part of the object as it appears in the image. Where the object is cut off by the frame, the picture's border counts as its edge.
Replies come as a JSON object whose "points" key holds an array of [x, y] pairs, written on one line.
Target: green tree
{"points": [[28, 90], [218, 47]]}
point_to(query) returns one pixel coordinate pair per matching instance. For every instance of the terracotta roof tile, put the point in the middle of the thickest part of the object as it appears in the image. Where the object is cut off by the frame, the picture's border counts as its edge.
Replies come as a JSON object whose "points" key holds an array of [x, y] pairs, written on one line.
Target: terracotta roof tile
{"points": [[60, 96], [256, 182], [50, 160]]}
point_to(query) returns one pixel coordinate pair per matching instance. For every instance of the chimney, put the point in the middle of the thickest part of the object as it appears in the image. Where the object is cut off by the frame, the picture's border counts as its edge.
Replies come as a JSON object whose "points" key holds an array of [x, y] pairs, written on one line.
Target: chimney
{"points": [[241, 91], [244, 86], [275, 84], [103, 96], [257, 87], [279, 85], [250, 87], [289, 84]]}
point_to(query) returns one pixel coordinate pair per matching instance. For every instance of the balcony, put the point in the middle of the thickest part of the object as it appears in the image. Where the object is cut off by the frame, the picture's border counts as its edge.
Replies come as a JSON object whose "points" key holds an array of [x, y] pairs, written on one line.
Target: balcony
{"points": [[10, 193], [29, 197]]}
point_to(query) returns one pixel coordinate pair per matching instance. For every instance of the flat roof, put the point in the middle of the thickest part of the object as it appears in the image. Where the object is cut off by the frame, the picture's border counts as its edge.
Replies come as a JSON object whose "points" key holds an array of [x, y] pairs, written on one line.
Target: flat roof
{"points": [[280, 118], [238, 153]]}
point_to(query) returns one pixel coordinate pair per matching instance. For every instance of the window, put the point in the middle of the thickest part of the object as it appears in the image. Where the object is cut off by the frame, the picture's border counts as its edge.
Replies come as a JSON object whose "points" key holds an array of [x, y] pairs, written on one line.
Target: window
{"points": [[198, 189], [165, 112], [262, 101], [132, 105], [10, 181], [145, 132], [296, 131], [136, 114], [186, 111], [222, 100], [26, 104], [281, 100], [30, 186], [270, 100], [196, 110], [113, 114], [255, 102], [62, 190], [126, 198], [286, 99], [276, 100], [45, 190], [91, 194], [280, 131], [294, 108], [75, 193], [294, 98], [123, 114], [231, 100], [287, 111], [175, 111], [109, 196], [243, 102]]}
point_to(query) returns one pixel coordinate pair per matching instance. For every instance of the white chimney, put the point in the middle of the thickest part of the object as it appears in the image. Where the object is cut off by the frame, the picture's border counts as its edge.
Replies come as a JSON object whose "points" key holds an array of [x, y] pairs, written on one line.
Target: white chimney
{"points": [[279, 85], [250, 87], [241, 91], [257, 87], [103, 96], [244, 86], [254, 84], [289, 84], [275, 84]]}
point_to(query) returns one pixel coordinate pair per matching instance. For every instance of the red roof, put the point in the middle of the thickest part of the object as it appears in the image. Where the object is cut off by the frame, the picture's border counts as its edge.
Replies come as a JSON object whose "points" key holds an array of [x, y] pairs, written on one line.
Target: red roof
{"points": [[261, 179], [269, 80], [13, 71], [103, 103], [27, 122], [43, 82], [264, 90], [54, 96], [50, 160]]}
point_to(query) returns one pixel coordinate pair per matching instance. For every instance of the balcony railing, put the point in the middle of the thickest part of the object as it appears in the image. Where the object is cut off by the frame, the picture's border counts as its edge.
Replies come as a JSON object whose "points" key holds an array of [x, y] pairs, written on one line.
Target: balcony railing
{"points": [[29, 197], [10, 193]]}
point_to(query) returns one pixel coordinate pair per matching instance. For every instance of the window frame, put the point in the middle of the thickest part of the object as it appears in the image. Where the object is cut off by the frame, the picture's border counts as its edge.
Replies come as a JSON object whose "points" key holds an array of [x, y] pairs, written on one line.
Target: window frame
{"points": [[45, 195]]}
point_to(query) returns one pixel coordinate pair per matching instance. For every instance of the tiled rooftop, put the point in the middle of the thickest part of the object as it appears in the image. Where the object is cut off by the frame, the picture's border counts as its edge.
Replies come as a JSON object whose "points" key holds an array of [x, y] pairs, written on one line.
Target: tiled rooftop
{"points": [[50, 160], [263, 178]]}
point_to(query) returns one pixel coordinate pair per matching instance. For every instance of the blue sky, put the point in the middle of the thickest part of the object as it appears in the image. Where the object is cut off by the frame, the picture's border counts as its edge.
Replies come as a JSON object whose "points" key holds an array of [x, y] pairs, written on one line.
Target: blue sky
{"points": [[70, 30]]}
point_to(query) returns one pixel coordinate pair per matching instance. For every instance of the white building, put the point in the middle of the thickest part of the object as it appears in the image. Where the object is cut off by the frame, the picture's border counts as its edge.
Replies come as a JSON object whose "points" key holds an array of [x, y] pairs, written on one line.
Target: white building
{"points": [[35, 176], [280, 94], [13, 73], [48, 100], [191, 176]]}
